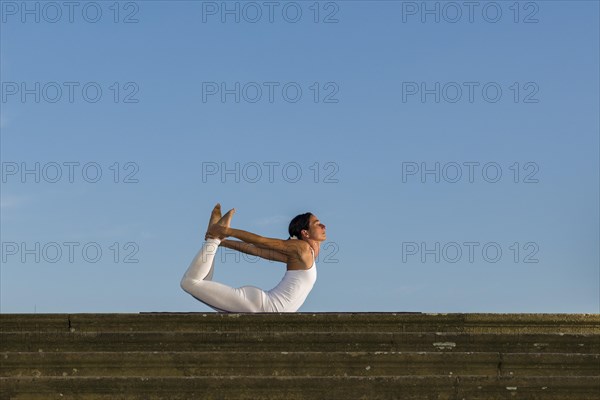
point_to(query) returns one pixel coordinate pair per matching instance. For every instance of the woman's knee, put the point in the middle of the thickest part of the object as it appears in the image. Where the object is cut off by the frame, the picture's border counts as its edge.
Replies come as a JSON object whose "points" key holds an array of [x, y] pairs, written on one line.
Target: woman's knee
{"points": [[188, 284]]}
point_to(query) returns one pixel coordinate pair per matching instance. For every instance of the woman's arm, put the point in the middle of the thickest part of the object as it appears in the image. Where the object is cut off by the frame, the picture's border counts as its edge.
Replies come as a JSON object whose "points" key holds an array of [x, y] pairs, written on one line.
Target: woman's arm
{"points": [[286, 247], [247, 248], [283, 246]]}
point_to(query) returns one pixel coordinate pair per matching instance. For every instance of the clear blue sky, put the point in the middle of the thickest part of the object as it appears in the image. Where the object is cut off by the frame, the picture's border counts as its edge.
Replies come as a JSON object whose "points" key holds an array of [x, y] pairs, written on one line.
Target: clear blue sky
{"points": [[361, 133]]}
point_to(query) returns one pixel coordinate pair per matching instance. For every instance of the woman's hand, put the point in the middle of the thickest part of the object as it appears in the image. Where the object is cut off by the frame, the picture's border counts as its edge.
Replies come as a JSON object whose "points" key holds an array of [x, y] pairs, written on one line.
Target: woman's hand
{"points": [[220, 229], [217, 231]]}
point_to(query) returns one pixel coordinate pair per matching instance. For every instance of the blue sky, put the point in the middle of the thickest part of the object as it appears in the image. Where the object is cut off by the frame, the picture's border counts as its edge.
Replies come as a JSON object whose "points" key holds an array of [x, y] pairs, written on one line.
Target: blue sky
{"points": [[342, 117]]}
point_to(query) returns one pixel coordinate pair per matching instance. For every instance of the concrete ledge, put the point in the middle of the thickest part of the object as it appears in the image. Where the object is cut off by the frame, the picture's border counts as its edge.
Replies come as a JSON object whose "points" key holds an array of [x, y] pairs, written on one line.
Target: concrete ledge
{"points": [[173, 364], [250, 387], [298, 341], [311, 322], [406, 356]]}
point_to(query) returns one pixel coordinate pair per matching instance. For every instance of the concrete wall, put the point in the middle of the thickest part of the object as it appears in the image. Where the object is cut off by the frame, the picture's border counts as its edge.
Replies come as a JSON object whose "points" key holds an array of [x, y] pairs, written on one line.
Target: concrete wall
{"points": [[300, 355]]}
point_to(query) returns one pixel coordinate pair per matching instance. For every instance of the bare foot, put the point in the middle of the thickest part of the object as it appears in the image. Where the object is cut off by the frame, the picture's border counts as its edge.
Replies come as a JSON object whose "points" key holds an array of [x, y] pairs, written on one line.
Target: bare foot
{"points": [[215, 216], [226, 219]]}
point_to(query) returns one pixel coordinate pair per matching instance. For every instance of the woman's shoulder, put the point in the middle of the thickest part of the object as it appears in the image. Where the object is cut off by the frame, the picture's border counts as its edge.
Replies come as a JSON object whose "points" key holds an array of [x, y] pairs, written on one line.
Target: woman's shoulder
{"points": [[305, 256], [305, 246]]}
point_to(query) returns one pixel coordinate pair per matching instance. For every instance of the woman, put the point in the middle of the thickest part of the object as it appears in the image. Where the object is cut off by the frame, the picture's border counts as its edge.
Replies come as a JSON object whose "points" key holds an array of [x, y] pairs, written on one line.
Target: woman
{"points": [[298, 253]]}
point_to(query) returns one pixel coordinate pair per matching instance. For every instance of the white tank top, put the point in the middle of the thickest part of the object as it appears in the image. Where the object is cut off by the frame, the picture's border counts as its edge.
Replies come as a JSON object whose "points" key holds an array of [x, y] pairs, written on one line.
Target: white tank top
{"points": [[293, 289]]}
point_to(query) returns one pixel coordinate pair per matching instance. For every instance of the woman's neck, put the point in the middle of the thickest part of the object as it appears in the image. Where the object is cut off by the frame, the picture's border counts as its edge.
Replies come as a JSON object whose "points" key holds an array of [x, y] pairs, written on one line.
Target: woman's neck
{"points": [[315, 245]]}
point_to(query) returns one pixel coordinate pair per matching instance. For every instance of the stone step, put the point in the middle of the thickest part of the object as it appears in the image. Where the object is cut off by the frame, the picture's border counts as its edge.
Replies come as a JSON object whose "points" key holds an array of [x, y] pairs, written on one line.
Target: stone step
{"points": [[298, 341], [290, 388], [150, 364], [304, 322]]}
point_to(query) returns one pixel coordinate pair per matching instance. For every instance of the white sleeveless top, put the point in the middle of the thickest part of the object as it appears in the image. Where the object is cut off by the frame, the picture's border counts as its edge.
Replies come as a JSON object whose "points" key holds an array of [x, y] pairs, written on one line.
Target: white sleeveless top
{"points": [[293, 289]]}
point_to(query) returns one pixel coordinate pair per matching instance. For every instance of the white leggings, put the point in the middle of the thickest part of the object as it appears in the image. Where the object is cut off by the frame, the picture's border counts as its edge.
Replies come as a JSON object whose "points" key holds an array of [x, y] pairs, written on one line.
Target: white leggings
{"points": [[197, 281]]}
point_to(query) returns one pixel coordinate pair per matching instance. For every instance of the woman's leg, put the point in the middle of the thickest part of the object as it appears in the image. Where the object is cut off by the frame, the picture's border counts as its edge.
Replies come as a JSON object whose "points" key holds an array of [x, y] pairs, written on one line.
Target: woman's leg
{"points": [[196, 281]]}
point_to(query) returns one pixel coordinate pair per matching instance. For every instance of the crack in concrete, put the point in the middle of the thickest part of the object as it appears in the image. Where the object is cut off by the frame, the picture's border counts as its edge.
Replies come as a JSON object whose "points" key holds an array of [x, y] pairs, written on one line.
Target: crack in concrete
{"points": [[455, 387], [499, 366]]}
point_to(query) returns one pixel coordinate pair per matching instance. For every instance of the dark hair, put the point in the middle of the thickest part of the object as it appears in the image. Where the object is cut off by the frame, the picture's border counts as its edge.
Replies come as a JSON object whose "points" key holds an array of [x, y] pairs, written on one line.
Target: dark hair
{"points": [[298, 224]]}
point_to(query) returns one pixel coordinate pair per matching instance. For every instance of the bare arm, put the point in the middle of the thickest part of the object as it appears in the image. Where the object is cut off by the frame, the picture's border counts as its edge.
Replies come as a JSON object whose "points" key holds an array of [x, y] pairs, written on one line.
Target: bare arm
{"points": [[286, 247], [289, 248], [248, 248]]}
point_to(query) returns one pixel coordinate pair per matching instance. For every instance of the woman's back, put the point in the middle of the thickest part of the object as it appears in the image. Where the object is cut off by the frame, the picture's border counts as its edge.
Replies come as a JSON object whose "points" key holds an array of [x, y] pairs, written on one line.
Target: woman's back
{"points": [[292, 291]]}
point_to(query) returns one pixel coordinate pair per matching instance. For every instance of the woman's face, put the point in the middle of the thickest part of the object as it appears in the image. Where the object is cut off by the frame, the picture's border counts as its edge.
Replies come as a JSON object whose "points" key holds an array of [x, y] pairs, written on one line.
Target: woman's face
{"points": [[316, 230]]}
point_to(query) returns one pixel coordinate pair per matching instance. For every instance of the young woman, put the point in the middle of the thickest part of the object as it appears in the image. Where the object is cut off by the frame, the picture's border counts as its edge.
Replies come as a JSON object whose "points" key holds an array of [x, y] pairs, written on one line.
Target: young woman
{"points": [[298, 253]]}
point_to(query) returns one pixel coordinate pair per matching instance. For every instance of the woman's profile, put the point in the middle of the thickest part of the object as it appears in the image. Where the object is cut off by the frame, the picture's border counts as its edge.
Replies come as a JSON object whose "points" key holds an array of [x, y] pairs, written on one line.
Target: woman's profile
{"points": [[298, 253]]}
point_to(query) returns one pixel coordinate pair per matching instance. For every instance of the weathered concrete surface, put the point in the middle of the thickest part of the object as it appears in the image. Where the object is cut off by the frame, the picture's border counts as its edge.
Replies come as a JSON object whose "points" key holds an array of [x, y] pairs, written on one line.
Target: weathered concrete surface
{"points": [[310, 322], [299, 355], [343, 388], [298, 341], [296, 364]]}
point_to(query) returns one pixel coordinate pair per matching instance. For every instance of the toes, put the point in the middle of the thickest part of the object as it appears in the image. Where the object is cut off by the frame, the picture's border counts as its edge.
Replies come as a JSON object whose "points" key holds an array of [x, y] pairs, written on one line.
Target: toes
{"points": [[215, 215], [227, 217]]}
